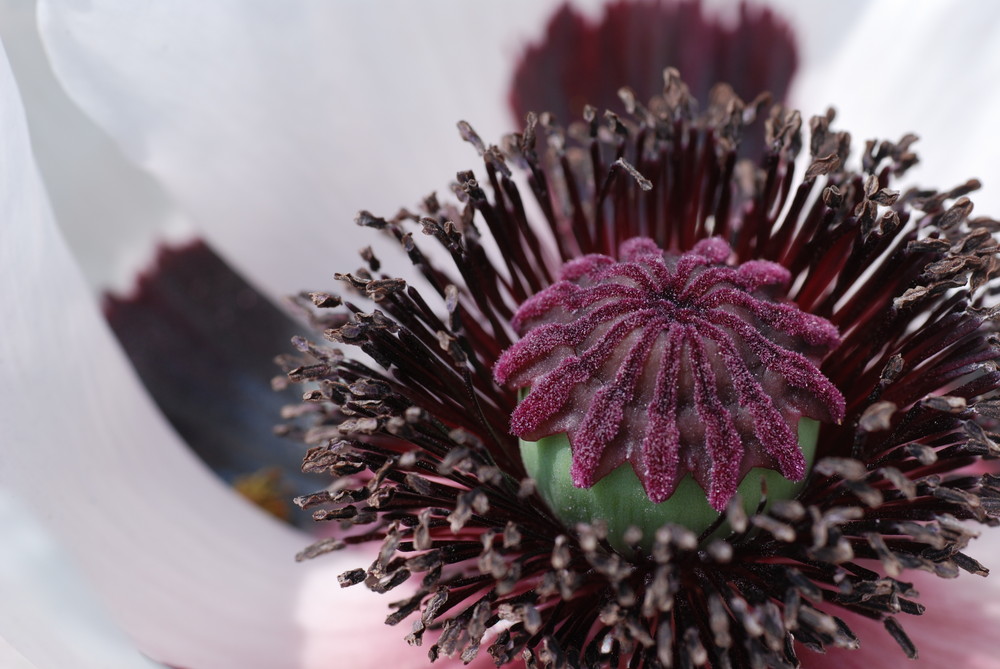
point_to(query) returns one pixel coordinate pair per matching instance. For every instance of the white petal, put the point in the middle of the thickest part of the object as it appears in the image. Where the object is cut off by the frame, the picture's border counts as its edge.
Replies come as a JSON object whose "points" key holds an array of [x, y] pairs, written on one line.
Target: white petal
{"points": [[272, 126], [927, 68], [48, 615], [12, 658], [819, 27], [108, 208], [197, 577], [263, 119]]}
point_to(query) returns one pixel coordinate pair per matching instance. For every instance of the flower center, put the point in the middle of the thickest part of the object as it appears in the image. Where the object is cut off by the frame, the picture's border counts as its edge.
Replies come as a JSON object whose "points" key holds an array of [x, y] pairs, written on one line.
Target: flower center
{"points": [[675, 363]]}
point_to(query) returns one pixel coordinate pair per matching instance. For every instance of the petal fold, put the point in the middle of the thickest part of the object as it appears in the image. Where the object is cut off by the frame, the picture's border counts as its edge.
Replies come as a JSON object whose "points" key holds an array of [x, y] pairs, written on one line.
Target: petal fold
{"points": [[272, 126]]}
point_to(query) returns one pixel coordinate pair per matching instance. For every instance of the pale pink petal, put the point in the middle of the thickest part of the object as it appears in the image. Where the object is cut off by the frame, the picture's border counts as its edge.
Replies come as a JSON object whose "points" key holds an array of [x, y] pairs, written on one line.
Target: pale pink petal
{"points": [[819, 27], [957, 630]]}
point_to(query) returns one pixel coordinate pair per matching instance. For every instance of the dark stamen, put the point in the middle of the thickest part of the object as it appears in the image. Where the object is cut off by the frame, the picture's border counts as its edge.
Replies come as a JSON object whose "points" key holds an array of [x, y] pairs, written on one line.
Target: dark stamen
{"points": [[416, 439]]}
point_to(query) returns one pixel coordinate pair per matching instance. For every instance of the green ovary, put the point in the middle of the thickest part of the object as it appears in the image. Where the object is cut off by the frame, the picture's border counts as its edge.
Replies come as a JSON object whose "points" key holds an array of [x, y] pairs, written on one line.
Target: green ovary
{"points": [[619, 498]]}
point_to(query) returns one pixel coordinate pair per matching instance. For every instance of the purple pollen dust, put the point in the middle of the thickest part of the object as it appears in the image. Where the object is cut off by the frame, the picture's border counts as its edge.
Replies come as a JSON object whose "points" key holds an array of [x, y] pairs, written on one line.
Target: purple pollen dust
{"points": [[674, 363]]}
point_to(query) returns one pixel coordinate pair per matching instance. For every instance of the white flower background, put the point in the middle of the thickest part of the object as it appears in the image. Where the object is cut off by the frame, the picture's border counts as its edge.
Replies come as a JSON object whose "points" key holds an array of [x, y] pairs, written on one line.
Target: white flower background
{"points": [[264, 127]]}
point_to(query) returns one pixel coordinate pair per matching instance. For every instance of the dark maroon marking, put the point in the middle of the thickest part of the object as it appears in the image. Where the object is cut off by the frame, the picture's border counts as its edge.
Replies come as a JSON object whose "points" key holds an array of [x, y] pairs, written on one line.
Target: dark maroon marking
{"points": [[203, 341], [582, 62]]}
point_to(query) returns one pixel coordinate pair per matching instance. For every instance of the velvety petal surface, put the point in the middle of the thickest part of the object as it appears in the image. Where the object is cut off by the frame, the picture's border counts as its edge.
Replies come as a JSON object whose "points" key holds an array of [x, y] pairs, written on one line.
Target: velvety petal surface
{"points": [[11, 657], [196, 576]]}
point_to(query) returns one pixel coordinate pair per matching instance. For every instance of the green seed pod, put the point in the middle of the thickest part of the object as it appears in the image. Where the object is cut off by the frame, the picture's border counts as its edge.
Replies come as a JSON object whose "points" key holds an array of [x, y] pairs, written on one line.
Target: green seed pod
{"points": [[620, 500]]}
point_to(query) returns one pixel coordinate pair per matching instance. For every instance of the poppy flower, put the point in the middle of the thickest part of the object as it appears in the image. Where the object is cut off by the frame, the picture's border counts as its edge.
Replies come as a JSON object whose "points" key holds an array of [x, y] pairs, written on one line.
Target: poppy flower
{"points": [[90, 361]]}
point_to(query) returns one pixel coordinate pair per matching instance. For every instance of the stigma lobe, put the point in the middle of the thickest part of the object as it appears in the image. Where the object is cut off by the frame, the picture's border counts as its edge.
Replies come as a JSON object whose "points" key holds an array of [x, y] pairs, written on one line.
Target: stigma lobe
{"points": [[676, 363]]}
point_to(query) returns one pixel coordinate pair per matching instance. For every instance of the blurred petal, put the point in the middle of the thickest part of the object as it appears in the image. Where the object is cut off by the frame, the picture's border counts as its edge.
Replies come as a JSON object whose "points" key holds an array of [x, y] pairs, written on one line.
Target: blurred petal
{"points": [[583, 62], [108, 209], [957, 630], [10, 657], [927, 68], [47, 614], [197, 577], [203, 341]]}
